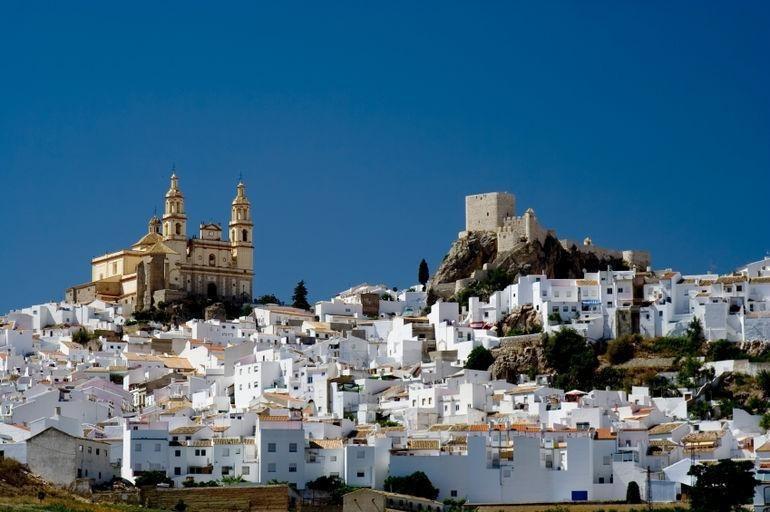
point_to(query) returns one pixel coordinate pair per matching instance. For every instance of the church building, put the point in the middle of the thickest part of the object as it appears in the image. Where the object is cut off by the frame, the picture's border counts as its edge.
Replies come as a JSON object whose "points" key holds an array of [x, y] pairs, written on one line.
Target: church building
{"points": [[166, 265]]}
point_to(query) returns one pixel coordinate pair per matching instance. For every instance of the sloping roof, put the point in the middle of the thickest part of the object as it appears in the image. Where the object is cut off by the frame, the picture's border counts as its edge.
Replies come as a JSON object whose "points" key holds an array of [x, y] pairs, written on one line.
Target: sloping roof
{"points": [[664, 428], [161, 248], [326, 444], [186, 430], [177, 363], [764, 448], [423, 444], [148, 240]]}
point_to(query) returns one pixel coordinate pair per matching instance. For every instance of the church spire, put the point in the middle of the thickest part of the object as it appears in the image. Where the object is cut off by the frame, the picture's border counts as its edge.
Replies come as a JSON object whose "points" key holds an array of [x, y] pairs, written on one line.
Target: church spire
{"points": [[174, 218]]}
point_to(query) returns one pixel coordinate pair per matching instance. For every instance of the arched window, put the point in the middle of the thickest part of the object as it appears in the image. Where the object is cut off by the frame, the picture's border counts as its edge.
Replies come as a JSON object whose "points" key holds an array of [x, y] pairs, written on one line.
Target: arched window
{"points": [[212, 260], [178, 228], [245, 235]]}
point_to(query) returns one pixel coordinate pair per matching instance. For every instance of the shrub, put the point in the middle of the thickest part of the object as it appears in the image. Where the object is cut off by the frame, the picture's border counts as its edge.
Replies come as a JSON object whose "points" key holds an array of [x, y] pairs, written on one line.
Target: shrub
{"points": [[621, 350], [722, 350], [81, 336], [153, 478], [416, 484], [574, 361], [479, 359]]}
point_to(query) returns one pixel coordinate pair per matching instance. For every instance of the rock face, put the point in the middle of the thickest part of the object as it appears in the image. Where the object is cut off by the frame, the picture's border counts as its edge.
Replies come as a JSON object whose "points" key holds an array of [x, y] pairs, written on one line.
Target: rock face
{"points": [[216, 311], [466, 255], [549, 257], [518, 357], [524, 319]]}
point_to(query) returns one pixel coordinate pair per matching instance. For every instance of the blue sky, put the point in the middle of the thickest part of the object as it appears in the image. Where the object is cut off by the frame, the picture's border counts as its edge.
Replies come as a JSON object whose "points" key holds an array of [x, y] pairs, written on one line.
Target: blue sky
{"points": [[359, 128]]}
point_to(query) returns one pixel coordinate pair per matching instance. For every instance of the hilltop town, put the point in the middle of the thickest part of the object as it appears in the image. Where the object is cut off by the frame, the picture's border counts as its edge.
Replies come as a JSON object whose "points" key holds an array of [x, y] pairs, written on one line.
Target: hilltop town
{"points": [[526, 369]]}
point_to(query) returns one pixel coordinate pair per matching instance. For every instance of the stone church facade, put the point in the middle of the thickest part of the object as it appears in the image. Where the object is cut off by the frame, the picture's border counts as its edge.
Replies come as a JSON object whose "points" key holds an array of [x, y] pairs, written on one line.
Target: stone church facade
{"points": [[166, 264]]}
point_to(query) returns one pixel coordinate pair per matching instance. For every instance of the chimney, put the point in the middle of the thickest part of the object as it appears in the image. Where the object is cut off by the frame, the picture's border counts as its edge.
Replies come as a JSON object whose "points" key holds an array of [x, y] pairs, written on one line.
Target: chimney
{"points": [[58, 411]]}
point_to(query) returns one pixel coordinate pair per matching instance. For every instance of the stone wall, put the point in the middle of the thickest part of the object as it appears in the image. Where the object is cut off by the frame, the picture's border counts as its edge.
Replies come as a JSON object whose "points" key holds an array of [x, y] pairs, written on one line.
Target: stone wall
{"points": [[267, 498], [487, 212], [514, 230]]}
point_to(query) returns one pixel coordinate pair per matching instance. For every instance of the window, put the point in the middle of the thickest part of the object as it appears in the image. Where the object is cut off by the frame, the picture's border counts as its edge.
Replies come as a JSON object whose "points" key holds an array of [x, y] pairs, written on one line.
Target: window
{"points": [[177, 471], [271, 447], [293, 447], [178, 228], [212, 260], [90, 449], [177, 453], [97, 451], [609, 291], [157, 447], [292, 468], [453, 493], [271, 467], [333, 458], [360, 474], [137, 447], [739, 288], [620, 290], [245, 470]]}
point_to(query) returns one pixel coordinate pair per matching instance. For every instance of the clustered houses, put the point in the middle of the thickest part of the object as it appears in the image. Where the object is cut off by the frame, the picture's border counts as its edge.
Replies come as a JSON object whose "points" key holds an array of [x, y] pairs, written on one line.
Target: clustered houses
{"points": [[370, 384], [609, 303]]}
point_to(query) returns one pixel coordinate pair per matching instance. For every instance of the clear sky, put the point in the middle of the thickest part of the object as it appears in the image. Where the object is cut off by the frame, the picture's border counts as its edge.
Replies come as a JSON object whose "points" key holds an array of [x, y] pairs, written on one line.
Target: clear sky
{"points": [[358, 129]]}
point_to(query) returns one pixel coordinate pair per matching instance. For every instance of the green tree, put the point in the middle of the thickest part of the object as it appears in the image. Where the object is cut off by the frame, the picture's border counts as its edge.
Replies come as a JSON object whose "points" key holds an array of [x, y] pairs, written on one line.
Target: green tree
{"points": [[299, 298], [764, 421], [423, 274], [333, 486], [416, 484], [479, 359], [700, 410], [153, 478], [722, 350], [81, 336], [632, 493], [573, 360], [722, 487], [268, 299], [763, 379], [695, 333], [621, 350]]}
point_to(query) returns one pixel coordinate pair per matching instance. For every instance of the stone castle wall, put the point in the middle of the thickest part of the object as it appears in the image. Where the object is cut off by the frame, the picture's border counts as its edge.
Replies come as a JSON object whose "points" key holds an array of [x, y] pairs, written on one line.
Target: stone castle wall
{"points": [[525, 228], [487, 212], [640, 259]]}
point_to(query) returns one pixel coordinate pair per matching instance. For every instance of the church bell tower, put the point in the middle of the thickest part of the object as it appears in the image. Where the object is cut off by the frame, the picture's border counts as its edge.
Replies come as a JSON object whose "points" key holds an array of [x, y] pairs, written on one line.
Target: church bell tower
{"points": [[241, 230], [174, 217]]}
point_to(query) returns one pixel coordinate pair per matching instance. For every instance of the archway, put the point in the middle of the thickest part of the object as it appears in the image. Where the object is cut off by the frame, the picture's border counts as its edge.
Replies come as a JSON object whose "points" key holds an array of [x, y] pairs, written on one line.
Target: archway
{"points": [[211, 291]]}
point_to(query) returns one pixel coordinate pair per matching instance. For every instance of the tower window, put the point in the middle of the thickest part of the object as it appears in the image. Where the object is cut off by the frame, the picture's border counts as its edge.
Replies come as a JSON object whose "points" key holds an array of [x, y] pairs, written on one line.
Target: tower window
{"points": [[212, 260], [178, 228], [245, 236]]}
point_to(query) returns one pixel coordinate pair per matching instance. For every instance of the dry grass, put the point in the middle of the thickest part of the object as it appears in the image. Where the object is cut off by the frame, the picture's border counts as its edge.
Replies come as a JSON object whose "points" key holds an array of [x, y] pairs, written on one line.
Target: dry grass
{"points": [[30, 504]]}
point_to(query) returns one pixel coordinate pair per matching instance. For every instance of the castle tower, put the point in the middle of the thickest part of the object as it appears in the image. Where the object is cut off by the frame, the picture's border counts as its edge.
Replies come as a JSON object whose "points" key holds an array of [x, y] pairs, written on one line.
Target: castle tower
{"points": [[174, 218], [241, 229]]}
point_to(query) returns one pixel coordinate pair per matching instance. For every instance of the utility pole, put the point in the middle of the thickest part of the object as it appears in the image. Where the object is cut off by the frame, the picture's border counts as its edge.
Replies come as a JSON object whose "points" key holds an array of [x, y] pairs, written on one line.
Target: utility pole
{"points": [[649, 489]]}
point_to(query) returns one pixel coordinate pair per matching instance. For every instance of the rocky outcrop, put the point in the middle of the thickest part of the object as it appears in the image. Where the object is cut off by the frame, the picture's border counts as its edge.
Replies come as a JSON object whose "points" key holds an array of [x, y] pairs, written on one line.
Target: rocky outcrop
{"points": [[471, 253], [514, 358], [522, 320], [466, 255], [216, 311]]}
